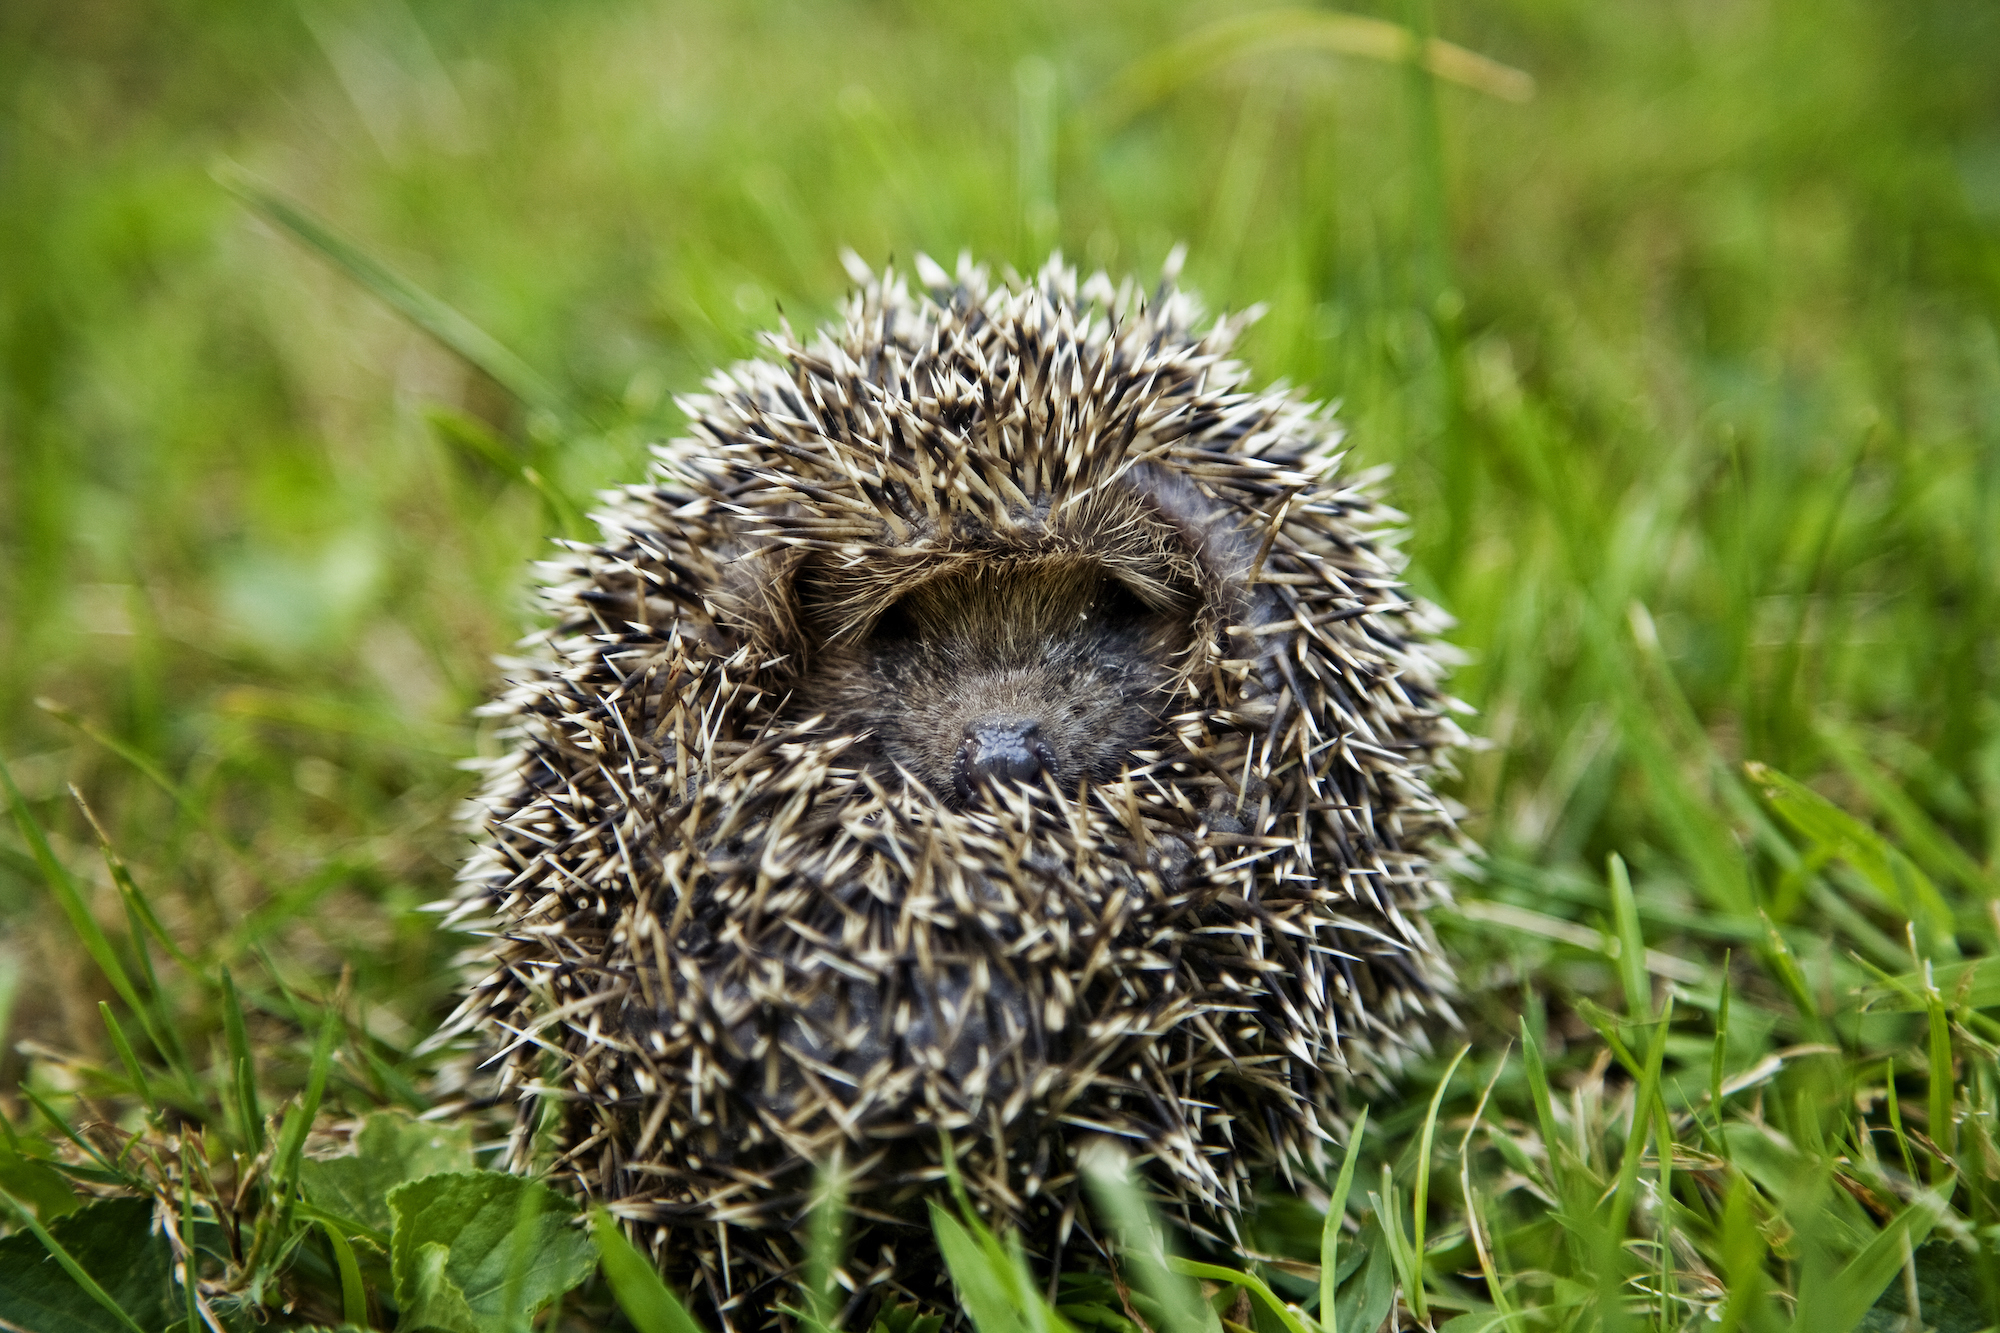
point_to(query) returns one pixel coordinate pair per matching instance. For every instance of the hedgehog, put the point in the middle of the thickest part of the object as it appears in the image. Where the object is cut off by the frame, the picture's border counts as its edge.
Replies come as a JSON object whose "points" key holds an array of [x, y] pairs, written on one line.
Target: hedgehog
{"points": [[992, 728]]}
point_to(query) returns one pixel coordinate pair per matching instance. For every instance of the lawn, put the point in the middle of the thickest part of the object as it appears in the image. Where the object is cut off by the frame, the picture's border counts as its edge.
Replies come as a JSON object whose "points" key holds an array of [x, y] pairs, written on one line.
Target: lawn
{"points": [[1677, 322]]}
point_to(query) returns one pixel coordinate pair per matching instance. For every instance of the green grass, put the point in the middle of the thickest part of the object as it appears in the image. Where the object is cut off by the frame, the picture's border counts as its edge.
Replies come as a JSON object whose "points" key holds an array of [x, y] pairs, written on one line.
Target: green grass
{"points": [[1688, 368]]}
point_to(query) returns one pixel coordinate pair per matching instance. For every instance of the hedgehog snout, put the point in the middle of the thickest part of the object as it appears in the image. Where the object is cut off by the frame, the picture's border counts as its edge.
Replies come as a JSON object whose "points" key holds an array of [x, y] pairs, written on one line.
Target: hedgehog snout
{"points": [[1004, 748]]}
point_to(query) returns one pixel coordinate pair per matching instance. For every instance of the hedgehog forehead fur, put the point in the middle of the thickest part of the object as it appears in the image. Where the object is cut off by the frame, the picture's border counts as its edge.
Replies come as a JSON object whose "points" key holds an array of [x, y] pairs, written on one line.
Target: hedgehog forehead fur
{"points": [[749, 912]]}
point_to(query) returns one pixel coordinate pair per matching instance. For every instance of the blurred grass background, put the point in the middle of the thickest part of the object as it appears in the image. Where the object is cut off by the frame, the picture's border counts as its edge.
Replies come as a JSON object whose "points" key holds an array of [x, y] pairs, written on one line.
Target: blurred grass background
{"points": [[1687, 368]]}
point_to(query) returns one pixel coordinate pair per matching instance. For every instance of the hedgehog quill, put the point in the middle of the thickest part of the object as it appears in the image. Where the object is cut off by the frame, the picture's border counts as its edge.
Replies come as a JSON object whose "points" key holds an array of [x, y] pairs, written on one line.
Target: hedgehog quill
{"points": [[992, 727]]}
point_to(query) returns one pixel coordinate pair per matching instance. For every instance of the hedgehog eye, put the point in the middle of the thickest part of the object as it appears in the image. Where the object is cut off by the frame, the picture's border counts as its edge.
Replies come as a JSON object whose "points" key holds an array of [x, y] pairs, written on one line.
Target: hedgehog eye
{"points": [[895, 625], [1118, 606]]}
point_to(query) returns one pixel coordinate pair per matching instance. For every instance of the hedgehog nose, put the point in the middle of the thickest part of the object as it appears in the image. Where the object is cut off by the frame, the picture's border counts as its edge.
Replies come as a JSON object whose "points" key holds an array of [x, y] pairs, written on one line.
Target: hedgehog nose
{"points": [[1002, 749]]}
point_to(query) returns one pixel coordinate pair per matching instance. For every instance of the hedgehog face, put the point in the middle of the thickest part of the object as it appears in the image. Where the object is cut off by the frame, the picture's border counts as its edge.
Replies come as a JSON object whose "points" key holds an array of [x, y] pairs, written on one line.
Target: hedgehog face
{"points": [[1034, 670]]}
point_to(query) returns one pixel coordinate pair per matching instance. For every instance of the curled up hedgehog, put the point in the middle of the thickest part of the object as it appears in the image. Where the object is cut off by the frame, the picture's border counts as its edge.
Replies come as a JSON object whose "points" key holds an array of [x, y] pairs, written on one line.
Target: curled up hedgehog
{"points": [[991, 729]]}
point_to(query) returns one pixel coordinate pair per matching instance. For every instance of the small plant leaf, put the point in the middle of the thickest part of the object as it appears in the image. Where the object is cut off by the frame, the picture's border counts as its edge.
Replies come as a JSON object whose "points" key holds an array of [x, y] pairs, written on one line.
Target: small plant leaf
{"points": [[1949, 1294], [391, 1150], [432, 1298], [115, 1245], [452, 1252]]}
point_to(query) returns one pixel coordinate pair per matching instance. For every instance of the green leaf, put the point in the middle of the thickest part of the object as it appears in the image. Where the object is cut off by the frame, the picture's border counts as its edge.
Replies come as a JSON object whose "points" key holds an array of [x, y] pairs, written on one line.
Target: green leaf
{"points": [[432, 1298], [353, 1296], [453, 1249], [391, 1150], [641, 1292], [114, 1243]]}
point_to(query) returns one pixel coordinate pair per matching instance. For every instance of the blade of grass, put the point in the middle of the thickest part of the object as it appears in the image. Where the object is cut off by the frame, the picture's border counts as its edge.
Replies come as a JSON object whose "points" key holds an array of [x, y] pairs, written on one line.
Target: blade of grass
{"points": [[954, 1182], [299, 1120], [1157, 75], [1109, 1175], [1537, 1072], [353, 1296], [472, 436], [478, 347], [1943, 1079], [129, 1058], [348, 1226], [197, 812], [1336, 1214], [1841, 1301], [1472, 1214], [242, 1070], [1784, 964], [980, 1290], [156, 1019], [824, 1245], [190, 1257], [1743, 1262], [111, 1169], [1420, 1203], [69, 896], [1894, 877], [1716, 1056], [1631, 944], [1915, 828], [636, 1284], [275, 1236], [1609, 1026], [1896, 1119], [1250, 1282], [1642, 1122], [1388, 1213], [137, 902]]}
